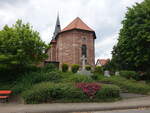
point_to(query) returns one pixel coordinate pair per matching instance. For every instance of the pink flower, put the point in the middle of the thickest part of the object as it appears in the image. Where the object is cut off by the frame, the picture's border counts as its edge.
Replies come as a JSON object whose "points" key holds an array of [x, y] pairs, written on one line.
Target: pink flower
{"points": [[89, 89]]}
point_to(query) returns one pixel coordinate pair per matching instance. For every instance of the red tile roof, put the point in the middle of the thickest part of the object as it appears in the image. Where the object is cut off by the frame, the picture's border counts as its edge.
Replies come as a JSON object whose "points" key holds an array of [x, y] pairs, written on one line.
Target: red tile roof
{"points": [[77, 24], [102, 62]]}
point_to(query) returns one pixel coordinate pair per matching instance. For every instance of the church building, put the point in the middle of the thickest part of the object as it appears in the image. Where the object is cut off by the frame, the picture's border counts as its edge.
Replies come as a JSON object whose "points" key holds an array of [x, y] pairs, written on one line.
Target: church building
{"points": [[71, 44]]}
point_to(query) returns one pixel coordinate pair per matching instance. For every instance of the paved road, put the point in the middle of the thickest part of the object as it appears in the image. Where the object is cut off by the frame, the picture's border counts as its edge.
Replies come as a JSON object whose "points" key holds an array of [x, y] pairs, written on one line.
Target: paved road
{"points": [[70, 107], [126, 111], [121, 111]]}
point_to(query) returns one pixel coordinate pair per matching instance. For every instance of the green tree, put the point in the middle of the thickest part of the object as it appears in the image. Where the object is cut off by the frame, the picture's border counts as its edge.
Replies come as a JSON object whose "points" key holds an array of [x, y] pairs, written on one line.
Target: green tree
{"points": [[20, 46], [132, 51]]}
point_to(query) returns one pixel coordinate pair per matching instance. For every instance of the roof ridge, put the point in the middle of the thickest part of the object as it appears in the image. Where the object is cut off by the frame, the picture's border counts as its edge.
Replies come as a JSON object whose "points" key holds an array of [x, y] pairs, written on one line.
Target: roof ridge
{"points": [[77, 23]]}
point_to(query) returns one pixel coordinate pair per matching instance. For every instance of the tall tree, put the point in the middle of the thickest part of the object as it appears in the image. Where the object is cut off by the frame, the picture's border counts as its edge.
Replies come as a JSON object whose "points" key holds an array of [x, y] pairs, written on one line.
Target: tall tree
{"points": [[20, 46], [133, 49]]}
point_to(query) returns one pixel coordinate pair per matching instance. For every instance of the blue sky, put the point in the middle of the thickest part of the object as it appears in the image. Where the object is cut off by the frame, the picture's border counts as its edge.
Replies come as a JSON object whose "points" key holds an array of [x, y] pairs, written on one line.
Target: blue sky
{"points": [[104, 16]]}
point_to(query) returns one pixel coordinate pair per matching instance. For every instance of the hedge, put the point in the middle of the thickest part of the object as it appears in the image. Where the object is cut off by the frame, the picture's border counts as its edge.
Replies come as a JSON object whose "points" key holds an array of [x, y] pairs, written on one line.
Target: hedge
{"points": [[108, 92], [77, 78], [98, 69], [32, 78], [129, 74], [75, 68], [52, 92], [88, 67], [65, 67], [131, 86]]}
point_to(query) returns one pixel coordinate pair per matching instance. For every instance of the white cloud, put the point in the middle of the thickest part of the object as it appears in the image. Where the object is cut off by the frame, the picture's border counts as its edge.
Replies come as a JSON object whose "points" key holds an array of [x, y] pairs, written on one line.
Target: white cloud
{"points": [[104, 16], [104, 47], [46, 36]]}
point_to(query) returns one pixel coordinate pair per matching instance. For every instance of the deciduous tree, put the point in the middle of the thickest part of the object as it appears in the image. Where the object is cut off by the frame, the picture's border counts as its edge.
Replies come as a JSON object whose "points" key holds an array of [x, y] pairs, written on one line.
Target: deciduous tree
{"points": [[133, 49]]}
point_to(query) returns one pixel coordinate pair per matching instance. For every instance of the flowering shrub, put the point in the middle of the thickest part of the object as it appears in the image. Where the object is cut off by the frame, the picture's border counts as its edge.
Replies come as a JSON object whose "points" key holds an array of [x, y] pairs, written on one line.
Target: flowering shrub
{"points": [[89, 89], [68, 92]]}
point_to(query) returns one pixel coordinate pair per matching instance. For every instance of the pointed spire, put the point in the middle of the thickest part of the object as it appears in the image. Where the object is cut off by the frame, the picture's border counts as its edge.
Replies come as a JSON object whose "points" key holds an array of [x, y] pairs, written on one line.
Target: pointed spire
{"points": [[57, 27]]}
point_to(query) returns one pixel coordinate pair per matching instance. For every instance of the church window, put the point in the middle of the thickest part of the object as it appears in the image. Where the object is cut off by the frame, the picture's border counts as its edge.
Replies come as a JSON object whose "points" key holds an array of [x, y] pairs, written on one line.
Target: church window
{"points": [[84, 50], [83, 40]]}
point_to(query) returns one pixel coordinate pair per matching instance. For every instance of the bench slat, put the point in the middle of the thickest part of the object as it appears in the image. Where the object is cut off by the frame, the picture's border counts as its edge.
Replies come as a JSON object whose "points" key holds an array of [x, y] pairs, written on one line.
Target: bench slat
{"points": [[3, 97], [5, 92]]}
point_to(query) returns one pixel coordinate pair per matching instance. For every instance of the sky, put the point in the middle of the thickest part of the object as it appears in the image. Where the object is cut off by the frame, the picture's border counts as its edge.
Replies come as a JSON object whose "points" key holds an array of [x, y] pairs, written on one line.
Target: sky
{"points": [[103, 16]]}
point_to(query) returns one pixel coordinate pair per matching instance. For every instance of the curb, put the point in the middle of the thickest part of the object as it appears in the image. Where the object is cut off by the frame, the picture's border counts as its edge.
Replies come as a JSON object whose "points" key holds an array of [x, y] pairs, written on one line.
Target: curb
{"points": [[88, 109]]}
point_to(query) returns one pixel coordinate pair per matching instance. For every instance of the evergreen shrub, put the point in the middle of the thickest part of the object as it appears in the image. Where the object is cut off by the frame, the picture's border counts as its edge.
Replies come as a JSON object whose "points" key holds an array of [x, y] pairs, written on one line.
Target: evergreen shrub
{"points": [[75, 68], [88, 67], [98, 69], [48, 68], [129, 74], [65, 67]]}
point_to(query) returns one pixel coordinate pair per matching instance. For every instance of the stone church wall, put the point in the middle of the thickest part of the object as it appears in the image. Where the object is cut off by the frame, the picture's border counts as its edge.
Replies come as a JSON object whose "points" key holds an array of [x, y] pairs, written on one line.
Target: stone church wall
{"points": [[69, 44]]}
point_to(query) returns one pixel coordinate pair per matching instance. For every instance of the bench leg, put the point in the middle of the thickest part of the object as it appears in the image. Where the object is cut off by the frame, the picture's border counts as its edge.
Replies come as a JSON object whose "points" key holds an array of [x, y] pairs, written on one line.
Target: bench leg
{"points": [[4, 100]]}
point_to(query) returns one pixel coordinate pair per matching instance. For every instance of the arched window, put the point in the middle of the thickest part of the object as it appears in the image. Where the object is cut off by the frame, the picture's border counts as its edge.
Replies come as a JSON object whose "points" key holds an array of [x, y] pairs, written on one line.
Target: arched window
{"points": [[84, 50]]}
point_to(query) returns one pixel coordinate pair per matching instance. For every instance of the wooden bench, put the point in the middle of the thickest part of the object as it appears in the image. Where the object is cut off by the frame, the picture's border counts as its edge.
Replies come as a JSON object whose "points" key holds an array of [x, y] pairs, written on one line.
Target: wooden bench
{"points": [[4, 95]]}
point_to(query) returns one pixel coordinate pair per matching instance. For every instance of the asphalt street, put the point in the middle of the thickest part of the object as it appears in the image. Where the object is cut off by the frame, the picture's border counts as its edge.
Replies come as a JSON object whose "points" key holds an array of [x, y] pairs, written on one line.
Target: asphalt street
{"points": [[121, 111]]}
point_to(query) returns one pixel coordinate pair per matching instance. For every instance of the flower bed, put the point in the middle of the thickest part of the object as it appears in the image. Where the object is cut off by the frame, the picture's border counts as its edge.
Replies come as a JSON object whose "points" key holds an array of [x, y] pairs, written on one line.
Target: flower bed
{"points": [[68, 92], [89, 89]]}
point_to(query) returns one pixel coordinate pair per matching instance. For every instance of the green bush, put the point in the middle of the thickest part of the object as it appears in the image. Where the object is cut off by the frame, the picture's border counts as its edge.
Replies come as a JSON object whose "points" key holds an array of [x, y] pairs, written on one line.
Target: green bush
{"points": [[52, 92], [49, 92], [131, 86], [77, 78], [65, 67], [5, 86], [96, 76], [98, 69], [145, 76], [48, 68], [108, 92], [75, 68], [88, 67], [35, 77], [15, 72], [129, 74]]}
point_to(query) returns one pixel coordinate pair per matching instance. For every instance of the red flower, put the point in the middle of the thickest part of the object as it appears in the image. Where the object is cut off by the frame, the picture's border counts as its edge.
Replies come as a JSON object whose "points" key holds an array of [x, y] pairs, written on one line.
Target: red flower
{"points": [[89, 89]]}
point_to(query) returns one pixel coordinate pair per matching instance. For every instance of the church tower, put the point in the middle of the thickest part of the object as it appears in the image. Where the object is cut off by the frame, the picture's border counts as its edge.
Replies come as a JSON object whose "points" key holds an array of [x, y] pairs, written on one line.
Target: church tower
{"points": [[72, 43], [52, 50], [57, 28]]}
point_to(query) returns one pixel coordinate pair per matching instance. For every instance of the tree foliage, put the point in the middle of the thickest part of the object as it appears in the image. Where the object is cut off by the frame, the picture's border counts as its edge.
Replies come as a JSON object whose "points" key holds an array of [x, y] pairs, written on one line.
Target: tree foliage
{"points": [[20, 46], [132, 51]]}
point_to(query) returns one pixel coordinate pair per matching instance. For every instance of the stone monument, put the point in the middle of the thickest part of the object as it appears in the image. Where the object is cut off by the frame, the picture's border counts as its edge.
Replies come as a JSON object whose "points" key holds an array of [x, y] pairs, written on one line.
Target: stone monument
{"points": [[83, 71], [107, 73], [117, 73]]}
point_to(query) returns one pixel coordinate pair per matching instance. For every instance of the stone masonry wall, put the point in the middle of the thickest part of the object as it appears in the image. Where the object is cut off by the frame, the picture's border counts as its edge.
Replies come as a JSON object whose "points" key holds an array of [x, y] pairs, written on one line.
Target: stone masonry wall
{"points": [[68, 48]]}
